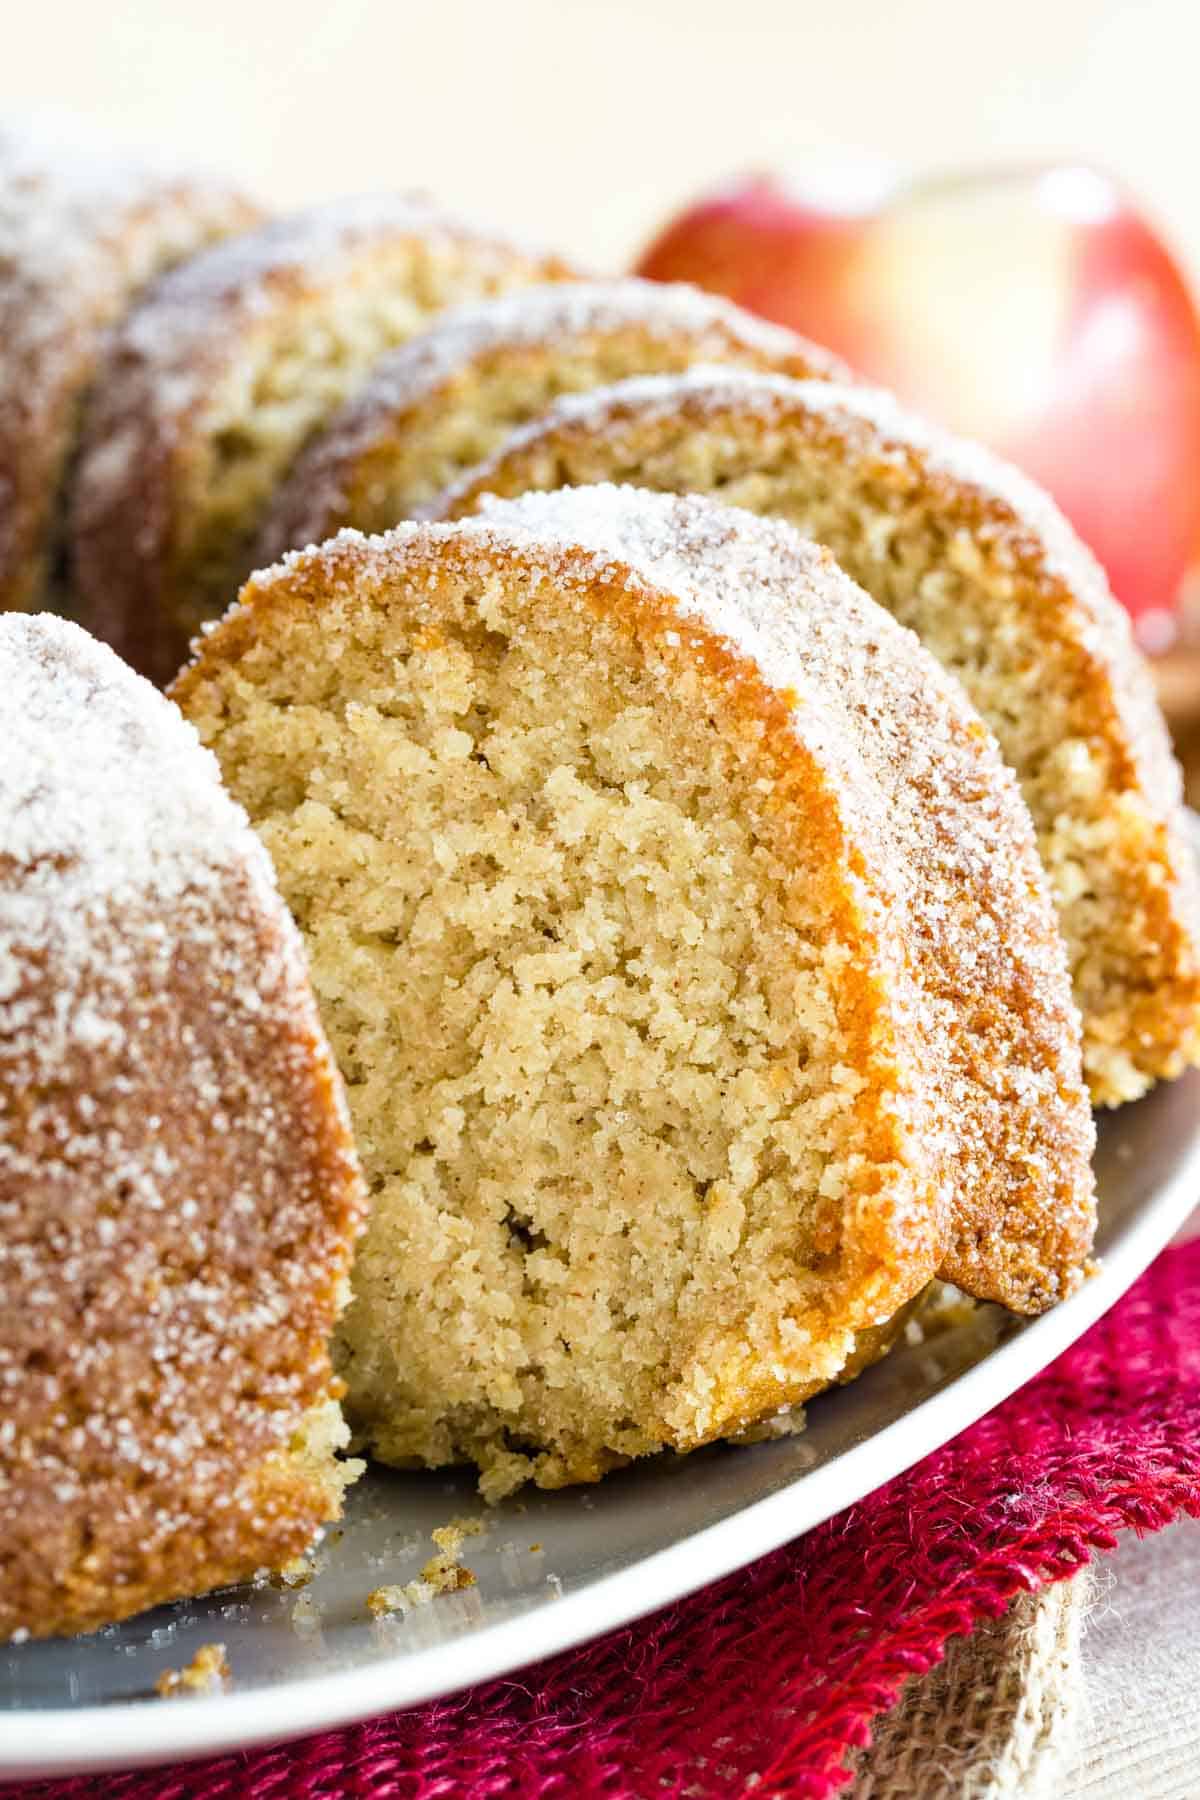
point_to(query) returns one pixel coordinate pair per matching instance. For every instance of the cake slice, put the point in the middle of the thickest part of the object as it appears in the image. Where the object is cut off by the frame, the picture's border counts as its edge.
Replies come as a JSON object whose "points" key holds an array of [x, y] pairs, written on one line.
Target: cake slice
{"points": [[82, 229], [682, 940], [440, 403], [979, 563], [179, 1193], [215, 383]]}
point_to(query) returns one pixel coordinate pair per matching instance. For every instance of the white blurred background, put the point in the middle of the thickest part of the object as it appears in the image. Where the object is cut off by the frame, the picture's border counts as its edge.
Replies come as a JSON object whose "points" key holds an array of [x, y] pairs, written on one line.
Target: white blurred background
{"points": [[585, 121]]}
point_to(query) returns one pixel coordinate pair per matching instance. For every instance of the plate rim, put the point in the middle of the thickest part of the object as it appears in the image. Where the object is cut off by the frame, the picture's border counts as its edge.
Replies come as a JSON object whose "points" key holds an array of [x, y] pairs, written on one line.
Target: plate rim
{"points": [[139, 1733]]}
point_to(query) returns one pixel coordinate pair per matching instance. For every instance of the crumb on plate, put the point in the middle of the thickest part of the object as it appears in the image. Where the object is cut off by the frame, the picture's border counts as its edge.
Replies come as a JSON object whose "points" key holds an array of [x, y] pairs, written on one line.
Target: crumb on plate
{"points": [[207, 1673]]}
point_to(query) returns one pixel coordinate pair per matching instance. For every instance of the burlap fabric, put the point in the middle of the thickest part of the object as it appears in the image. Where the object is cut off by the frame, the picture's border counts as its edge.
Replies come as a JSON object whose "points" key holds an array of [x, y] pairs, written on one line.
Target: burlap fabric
{"points": [[999, 1717]]}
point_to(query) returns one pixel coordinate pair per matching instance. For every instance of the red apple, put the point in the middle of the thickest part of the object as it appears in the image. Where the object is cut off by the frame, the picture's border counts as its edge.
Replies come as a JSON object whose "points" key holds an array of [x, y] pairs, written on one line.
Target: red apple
{"points": [[1037, 310]]}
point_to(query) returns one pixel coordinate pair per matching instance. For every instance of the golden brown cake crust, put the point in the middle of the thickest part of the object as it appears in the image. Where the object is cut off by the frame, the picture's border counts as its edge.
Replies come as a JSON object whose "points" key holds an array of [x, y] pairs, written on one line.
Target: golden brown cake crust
{"points": [[1076, 676], [178, 1188], [140, 577], [435, 406], [968, 1123], [81, 229]]}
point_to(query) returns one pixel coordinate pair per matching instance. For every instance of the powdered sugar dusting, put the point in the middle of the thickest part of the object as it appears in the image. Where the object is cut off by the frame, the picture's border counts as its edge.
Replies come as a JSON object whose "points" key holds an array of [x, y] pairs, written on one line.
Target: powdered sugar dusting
{"points": [[481, 369], [556, 317], [81, 228], [62, 197], [895, 431], [199, 309], [982, 561], [876, 425], [110, 808], [178, 1190], [214, 383]]}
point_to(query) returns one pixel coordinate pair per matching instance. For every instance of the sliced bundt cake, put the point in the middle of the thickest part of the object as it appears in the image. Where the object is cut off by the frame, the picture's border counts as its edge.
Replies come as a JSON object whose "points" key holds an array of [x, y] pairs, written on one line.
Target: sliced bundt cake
{"points": [[683, 943], [178, 1190], [217, 380], [433, 408], [988, 573], [81, 230]]}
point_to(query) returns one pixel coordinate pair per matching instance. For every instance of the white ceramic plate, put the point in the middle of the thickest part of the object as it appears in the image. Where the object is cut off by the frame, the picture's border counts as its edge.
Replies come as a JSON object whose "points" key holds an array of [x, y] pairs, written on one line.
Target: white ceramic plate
{"points": [[554, 1569]]}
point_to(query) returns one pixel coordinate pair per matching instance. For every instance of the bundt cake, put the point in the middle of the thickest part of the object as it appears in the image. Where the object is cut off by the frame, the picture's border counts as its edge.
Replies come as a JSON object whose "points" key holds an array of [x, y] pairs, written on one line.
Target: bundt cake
{"points": [[988, 573], [440, 403], [216, 381], [81, 230], [178, 1189], [682, 940]]}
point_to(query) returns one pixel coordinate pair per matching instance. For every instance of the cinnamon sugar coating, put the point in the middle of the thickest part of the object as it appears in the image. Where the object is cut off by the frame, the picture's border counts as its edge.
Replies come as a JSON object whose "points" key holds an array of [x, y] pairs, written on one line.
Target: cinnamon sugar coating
{"points": [[440, 403], [82, 230], [980, 563], [179, 1192], [215, 383], [683, 942]]}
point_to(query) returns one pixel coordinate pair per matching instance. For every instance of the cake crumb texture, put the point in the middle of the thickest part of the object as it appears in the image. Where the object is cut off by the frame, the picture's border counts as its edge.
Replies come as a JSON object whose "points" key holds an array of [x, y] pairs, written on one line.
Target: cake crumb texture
{"points": [[683, 944], [981, 564]]}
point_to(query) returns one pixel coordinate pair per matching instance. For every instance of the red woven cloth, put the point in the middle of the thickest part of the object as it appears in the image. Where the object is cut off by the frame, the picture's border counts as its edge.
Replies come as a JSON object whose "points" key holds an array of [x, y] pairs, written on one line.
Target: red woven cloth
{"points": [[769, 1678]]}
